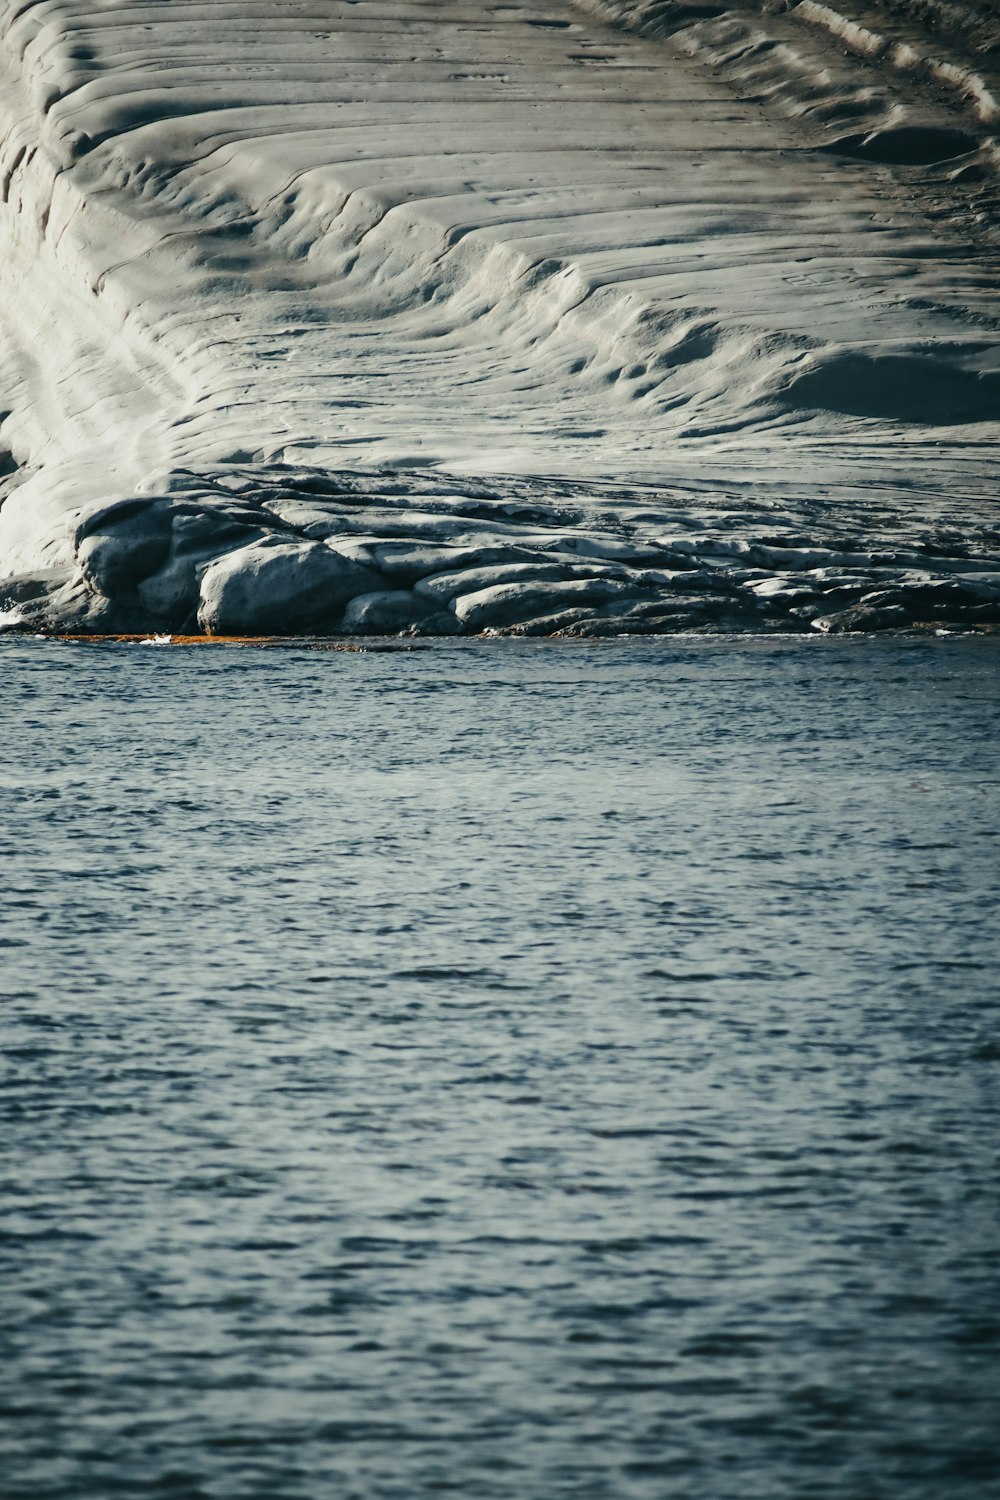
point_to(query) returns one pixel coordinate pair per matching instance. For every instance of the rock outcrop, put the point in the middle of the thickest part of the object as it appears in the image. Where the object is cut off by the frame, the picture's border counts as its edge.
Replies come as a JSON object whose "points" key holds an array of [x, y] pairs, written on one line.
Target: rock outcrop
{"points": [[614, 316]]}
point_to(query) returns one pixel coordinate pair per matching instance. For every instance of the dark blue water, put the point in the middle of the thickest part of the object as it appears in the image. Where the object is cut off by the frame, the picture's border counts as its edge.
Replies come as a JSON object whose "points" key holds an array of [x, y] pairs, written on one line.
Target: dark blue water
{"points": [[504, 1070]]}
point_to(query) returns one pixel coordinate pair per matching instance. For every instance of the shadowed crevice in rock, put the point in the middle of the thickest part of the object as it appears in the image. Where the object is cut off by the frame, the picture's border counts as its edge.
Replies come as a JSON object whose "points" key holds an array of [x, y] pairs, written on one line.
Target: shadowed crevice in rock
{"points": [[908, 145], [902, 388]]}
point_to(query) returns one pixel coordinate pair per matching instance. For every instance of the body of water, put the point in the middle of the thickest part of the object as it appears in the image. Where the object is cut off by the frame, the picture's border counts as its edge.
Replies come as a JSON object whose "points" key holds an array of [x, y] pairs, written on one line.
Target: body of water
{"points": [[509, 1069]]}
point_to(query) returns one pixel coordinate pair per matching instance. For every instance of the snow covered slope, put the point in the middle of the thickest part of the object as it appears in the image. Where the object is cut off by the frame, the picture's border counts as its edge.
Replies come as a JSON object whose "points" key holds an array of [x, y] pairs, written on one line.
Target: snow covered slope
{"points": [[610, 315]]}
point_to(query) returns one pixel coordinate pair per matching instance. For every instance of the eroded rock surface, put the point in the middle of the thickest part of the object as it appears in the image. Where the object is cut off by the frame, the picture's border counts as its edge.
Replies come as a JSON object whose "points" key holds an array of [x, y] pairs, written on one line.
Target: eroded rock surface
{"points": [[447, 318]]}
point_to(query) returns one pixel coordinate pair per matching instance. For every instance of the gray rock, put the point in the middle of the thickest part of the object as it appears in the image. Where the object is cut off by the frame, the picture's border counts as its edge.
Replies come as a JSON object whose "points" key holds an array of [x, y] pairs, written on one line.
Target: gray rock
{"points": [[702, 607], [587, 546], [378, 521], [115, 559], [311, 519], [406, 562], [357, 550], [984, 583], [443, 587], [861, 618], [143, 555], [782, 591], [202, 535], [513, 603], [563, 622], [75, 607], [943, 599], [170, 596], [280, 588], [386, 613], [21, 591], [443, 622], [709, 579]]}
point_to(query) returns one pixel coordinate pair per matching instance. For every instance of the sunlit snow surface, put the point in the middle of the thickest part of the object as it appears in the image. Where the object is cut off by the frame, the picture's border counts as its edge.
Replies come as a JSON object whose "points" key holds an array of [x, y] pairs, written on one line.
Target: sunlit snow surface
{"points": [[733, 265]]}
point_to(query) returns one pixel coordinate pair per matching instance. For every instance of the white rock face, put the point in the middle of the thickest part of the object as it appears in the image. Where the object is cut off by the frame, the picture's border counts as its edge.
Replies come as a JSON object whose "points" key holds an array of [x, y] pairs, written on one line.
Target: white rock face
{"points": [[487, 285]]}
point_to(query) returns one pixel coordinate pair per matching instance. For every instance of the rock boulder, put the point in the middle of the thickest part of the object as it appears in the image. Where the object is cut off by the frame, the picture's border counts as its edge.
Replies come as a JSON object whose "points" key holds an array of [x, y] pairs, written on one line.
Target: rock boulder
{"points": [[280, 588]]}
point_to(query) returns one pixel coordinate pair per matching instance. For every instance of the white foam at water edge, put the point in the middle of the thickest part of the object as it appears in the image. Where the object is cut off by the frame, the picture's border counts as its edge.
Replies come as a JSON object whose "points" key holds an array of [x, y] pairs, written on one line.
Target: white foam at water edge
{"points": [[11, 619], [345, 276]]}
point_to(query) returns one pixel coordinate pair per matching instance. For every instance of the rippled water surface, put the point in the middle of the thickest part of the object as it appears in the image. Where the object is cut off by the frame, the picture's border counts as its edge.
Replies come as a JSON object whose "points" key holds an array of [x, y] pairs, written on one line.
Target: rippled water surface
{"points": [[507, 1070]]}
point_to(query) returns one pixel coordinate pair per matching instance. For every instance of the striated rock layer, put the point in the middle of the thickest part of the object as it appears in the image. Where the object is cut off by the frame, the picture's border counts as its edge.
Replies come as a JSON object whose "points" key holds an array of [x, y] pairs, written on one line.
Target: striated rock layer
{"points": [[431, 317]]}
